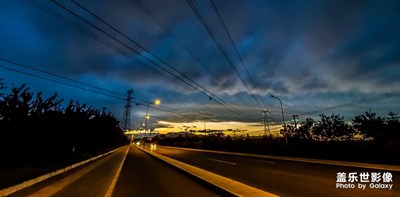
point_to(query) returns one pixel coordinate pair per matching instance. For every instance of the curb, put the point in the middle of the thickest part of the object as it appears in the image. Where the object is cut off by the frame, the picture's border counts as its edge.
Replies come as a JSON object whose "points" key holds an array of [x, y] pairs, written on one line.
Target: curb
{"points": [[222, 185], [10, 190], [304, 160]]}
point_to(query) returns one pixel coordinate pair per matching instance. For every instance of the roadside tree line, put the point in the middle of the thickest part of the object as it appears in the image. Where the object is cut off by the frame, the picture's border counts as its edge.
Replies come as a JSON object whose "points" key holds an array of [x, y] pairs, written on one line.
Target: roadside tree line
{"points": [[368, 126], [37, 130]]}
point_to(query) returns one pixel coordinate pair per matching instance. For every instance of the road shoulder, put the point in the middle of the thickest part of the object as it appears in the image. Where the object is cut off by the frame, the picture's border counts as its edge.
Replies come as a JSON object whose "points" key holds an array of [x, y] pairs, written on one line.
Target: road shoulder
{"points": [[233, 187], [10, 190]]}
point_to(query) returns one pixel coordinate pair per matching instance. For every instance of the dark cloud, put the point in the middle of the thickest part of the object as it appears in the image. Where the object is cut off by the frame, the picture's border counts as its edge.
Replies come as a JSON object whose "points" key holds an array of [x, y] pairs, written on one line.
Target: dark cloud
{"points": [[312, 54], [162, 125]]}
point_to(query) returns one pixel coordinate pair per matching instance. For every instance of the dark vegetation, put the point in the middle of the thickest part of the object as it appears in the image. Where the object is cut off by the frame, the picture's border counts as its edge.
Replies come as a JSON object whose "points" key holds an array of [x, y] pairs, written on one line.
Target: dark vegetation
{"points": [[38, 133], [367, 138]]}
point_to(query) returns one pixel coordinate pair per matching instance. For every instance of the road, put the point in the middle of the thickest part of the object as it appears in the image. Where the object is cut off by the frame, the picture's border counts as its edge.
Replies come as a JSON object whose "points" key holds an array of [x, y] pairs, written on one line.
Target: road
{"points": [[131, 172], [140, 175], [283, 178]]}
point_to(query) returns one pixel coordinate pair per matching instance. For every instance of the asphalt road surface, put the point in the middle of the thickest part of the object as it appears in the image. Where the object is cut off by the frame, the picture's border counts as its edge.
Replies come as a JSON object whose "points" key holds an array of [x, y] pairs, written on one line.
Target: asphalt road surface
{"points": [[143, 175], [140, 175], [283, 178]]}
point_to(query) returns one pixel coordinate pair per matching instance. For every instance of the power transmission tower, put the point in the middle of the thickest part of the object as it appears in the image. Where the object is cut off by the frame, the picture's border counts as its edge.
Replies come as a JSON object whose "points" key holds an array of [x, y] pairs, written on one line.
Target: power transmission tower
{"points": [[265, 120], [126, 120]]}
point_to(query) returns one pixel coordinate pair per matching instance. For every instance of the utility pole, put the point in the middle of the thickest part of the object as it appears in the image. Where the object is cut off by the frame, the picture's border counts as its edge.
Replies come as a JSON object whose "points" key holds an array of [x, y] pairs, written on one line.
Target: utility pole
{"points": [[2, 87], [295, 122], [156, 102], [126, 120]]}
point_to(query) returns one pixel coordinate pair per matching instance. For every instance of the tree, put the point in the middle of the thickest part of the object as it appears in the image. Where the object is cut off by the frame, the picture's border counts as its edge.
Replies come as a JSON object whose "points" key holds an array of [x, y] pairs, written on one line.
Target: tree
{"points": [[392, 131], [303, 132], [332, 128], [43, 131], [393, 117], [41, 107], [289, 130], [17, 105], [369, 125]]}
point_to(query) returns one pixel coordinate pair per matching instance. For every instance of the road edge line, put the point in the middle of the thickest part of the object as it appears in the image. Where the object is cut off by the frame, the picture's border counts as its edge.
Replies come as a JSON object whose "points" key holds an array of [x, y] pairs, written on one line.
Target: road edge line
{"points": [[298, 159], [117, 174], [12, 189], [222, 183]]}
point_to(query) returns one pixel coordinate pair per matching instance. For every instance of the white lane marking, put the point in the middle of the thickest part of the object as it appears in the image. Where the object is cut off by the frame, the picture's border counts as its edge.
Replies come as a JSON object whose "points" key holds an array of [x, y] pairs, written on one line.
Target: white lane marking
{"points": [[259, 160], [116, 176], [221, 161]]}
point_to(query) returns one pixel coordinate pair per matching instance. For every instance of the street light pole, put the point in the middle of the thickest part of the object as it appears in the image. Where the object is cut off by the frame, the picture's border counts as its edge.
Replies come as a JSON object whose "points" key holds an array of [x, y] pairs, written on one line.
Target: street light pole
{"points": [[147, 117], [283, 119], [156, 102]]}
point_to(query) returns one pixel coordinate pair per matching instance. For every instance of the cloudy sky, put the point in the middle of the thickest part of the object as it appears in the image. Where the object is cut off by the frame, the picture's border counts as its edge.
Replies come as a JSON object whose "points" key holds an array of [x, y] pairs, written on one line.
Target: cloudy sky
{"points": [[208, 60]]}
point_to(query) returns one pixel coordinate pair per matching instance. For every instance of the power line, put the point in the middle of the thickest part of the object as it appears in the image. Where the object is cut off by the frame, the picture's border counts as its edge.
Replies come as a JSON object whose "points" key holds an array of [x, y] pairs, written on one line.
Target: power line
{"points": [[85, 89], [154, 18], [92, 35], [78, 27], [237, 53], [141, 102], [115, 39], [202, 21], [136, 43], [60, 82], [211, 34], [219, 100], [381, 97], [58, 76], [198, 87]]}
